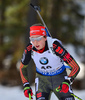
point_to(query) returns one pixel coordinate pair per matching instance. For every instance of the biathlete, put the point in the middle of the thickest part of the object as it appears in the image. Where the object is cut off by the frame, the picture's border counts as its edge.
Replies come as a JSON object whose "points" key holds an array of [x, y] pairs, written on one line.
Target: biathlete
{"points": [[49, 56]]}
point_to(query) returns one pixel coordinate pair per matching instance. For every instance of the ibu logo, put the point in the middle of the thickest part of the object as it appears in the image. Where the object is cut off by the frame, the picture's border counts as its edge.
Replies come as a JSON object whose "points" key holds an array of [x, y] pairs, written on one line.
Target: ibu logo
{"points": [[43, 60]]}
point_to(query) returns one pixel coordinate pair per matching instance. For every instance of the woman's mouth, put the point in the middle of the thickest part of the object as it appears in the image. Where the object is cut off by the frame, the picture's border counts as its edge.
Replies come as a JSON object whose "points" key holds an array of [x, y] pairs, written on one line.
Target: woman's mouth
{"points": [[37, 46]]}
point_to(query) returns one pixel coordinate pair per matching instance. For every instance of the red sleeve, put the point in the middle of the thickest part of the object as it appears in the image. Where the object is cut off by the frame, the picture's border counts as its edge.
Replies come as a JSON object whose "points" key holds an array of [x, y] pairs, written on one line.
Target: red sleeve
{"points": [[23, 73], [24, 63], [67, 58]]}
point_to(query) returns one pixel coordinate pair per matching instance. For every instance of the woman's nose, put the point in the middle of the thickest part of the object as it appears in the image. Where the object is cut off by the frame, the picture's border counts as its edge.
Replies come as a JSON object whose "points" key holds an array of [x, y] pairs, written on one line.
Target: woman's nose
{"points": [[35, 42]]}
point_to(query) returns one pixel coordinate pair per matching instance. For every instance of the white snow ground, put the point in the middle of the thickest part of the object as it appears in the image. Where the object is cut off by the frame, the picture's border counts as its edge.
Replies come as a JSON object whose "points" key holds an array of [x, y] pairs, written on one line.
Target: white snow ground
{"points": [[16, 93]]}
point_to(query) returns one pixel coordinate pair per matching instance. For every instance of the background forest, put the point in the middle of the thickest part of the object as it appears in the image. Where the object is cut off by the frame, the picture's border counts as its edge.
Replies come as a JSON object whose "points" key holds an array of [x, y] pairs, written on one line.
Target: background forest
{"points": [[64, 19]]}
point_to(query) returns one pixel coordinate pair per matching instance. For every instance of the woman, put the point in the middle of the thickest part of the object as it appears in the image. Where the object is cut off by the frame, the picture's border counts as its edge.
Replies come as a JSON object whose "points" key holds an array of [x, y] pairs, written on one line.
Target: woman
{"points": [[49, 56]]}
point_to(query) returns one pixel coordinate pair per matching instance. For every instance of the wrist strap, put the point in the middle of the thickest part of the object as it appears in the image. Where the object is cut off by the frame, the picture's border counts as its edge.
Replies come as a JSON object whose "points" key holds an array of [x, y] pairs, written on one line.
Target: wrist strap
{"points": [[26, 88], [65, 83]]}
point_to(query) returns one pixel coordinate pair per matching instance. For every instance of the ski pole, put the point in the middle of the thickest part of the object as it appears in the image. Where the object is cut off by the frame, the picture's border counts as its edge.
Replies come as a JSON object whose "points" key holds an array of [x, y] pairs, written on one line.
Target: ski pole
{"points": [[29, 96], [76, 96], [37, 9]]}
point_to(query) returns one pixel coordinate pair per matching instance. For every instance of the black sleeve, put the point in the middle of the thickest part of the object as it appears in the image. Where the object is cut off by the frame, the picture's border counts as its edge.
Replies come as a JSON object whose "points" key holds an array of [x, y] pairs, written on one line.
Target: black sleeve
{"points": [[27, 54], [59, 49], [62, 52]]}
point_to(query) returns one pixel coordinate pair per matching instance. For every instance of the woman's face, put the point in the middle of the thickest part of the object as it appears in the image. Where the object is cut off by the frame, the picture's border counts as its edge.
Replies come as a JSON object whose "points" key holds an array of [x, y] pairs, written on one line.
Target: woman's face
{"points": [[38, 41]]}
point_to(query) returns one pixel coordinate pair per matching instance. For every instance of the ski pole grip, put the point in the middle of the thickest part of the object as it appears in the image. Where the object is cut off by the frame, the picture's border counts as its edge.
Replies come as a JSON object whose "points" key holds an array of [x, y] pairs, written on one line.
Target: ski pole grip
{"points": [[31, 5], [35, 7]]}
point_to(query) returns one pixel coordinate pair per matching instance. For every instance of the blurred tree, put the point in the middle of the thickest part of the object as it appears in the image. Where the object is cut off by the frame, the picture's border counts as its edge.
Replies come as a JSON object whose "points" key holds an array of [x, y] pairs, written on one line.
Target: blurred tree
{"points": [[12, 26], [62, 18], [2, 27], [65, 20]]}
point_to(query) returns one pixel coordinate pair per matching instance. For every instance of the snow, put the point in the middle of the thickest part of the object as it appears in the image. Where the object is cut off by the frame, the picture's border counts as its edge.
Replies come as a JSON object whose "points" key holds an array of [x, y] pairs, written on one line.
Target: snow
{"points": [[16, 93]]}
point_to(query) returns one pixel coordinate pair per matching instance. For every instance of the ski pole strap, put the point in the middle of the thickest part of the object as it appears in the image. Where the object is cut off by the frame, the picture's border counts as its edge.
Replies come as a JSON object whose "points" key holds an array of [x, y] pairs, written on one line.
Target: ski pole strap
{"points": [[26, 88], [58, 89], [29, 96], [76, 96]]}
